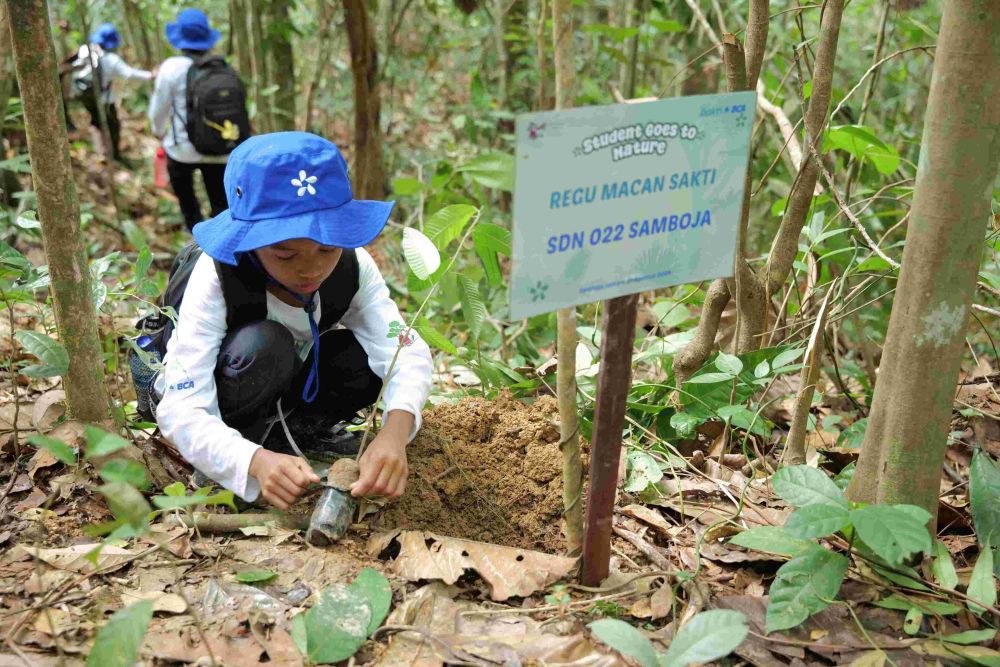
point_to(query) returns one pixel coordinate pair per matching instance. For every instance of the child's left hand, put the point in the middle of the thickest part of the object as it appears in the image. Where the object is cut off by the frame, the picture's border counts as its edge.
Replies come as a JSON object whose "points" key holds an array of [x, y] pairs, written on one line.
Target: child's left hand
{"points": [[383, 465]]}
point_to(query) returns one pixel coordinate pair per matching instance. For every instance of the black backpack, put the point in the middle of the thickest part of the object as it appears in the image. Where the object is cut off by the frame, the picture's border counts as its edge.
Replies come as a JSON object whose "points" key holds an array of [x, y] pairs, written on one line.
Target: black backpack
{"points": [[244, 288], [217, 120]]}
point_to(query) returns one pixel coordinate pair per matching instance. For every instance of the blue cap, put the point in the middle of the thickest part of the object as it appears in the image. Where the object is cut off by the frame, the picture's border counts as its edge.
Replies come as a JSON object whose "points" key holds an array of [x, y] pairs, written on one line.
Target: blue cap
{"points": [[191, 31], [106, 36], [289, 185]]}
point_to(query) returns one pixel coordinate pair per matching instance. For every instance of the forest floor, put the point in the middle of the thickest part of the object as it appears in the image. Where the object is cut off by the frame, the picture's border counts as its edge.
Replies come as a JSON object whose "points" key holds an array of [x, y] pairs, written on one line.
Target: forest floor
{"points": [[487, 471]]}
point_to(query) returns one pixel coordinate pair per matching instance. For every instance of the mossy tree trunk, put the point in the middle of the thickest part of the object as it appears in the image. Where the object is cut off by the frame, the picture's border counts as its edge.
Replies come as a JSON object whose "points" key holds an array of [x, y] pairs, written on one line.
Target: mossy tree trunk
{"points": [[242, 47], [911, 409], [368, 174], [261, 74], [58, 208], [281, 64]]}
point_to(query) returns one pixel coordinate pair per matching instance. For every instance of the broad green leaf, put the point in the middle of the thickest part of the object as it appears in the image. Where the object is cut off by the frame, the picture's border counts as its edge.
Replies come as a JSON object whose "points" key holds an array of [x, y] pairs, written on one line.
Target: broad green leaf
{"points": [[891, 532], [709, 378], [254, 576], [762, 370], [490, 241], [772, 539], [742, 417], [625, 639], [643, 470], [802, 486], [817, 520], [337, 625], [667, 26], [943, 567], [434, 338], [843, 478], [902, 603], [708, 636], [54, 358], [126, 503], [421, 255], [804, 586], [56, 448], [175, 489], [403, 187], [982, 586], [861, 142], [374, 587], [684, 423], [910, 578], [984, 497], [728, 363], [912, 621], [787, 358], [670, 313], [101, 442], [125, 471], [971, 636], [491, 170], [854, 435], [447, 224], [142, 262], [473, 308], [118, 641]]}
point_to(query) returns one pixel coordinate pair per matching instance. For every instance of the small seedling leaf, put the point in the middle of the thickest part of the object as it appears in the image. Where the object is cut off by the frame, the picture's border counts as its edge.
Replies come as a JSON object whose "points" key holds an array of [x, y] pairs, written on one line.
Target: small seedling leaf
{"points": [[101, 442], [804, 586], [893, 532], [943, 567], [118, 641], [56, 448], [421, 255], [125, 471], [708, 636], [772, 539], [802, 486], [625, 639], [643, 470], [728, 363], [817, 520], [982, 586], [254, 576]]}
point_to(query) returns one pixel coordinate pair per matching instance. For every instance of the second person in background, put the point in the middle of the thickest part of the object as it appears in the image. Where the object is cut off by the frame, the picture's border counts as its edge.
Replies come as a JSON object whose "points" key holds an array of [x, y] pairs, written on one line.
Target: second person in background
{"points": [[199, 111]]}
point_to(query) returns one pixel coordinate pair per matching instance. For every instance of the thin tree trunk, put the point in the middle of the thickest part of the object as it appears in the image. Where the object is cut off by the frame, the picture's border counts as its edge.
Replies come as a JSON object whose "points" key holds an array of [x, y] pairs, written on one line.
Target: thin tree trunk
{"points": [[569, 421], [282, 59], [911, 409], [324, 12], [241, 40], [6, 69], [58, 208], [261, 77], [369, 173]]}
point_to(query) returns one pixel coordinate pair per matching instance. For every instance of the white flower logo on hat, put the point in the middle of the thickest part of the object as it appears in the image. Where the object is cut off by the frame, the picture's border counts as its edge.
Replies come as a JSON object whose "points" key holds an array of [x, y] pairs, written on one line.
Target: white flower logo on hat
{"points": [[304, 183]]}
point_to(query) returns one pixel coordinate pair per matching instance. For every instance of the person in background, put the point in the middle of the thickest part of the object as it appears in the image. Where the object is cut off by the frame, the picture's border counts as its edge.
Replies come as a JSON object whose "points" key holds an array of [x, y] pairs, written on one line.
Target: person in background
{"points": [[198, 110], [98, 55]]}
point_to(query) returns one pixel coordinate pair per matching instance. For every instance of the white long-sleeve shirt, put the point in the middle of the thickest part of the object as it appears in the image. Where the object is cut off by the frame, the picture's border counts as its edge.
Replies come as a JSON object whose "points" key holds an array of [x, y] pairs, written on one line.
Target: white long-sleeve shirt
{"points": [[111, 67], [168, 113], [188, 414]]}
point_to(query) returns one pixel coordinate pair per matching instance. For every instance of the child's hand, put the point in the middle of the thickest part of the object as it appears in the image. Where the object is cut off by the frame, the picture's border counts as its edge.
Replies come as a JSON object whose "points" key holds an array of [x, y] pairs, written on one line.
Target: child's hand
{"points": [[282, 478], [383, 468]]}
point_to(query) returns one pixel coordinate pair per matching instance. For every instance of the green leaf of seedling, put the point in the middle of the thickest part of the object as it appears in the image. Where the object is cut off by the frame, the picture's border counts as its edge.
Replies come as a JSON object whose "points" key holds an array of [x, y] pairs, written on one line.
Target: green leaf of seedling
{"points": [[971, 637], [254, 576], [772, 539], [892, 532], [199, 497], [804, 586], [175, 489], [336, 626], [491, 170], [126, 503], [982, 585], [434, 338], [142, 263], [374, 587], [708, 636], [817, 520], [643, 470], [843, 478], [125, 471], [101, 442], [728, 363], [709, 378], [762, 370], [786, 358], [902, 603], [56, 448], [421, 255], [405, 187], [685, 424], [912, 621], [943, 567], [54, 358], [446, 225], [625, 639], [802, 486], [118, 641], [490, 242], [473, 307], [854, 435], [984, 497]]}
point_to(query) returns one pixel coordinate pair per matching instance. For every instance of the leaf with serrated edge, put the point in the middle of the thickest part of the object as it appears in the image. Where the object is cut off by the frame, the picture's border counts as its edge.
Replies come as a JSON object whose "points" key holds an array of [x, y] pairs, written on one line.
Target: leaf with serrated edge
{"points": [[772, 539], [802, 486], [708, 636], [891, 532], [817, 520], [446, 225], [804, 586], [118, 641], [625, 639]]}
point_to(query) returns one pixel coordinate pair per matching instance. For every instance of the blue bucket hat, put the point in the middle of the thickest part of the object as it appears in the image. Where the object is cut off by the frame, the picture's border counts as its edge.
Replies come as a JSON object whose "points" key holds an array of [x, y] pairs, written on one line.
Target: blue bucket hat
{"points": [[106, 36], [288, 185], [191, 31]]}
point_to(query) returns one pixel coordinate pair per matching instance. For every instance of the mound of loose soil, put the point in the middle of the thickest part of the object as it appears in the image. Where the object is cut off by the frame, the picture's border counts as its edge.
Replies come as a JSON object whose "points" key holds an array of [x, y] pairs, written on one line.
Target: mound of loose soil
{"points": [[486, 470]]}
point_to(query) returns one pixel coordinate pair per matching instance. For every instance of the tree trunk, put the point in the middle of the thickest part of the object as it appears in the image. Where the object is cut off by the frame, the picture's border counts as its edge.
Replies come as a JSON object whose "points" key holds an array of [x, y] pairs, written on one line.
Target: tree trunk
{"points": [[569, 420], [281, 58], [324, 13], [369, 175], [58, 209], [911, 409], [261, 77], [241, 40]]}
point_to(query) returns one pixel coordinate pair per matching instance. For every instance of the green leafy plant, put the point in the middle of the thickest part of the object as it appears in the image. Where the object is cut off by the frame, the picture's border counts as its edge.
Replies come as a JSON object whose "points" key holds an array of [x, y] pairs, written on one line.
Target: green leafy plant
{"points": [[887, 534], [708, 636], [118, 641]]}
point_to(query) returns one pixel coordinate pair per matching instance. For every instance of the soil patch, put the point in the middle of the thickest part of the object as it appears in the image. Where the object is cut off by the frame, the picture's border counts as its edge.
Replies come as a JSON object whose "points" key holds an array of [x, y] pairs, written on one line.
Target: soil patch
{"points": [[486, 470]]}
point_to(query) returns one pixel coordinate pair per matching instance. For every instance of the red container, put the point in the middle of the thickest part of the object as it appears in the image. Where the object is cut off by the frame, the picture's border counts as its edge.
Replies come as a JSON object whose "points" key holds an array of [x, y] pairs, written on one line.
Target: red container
{"points": [[160, 179]]}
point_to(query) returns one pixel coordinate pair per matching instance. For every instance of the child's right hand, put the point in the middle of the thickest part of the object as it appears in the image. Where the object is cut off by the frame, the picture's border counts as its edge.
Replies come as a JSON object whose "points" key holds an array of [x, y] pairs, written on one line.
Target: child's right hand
{"points": [[282, 478]]}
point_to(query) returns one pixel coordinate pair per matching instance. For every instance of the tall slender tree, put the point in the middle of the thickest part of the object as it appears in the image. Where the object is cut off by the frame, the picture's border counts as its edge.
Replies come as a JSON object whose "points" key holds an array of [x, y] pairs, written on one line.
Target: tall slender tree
{"points": [[281, 57], [58, 208], [368, 175], [960, 151]]}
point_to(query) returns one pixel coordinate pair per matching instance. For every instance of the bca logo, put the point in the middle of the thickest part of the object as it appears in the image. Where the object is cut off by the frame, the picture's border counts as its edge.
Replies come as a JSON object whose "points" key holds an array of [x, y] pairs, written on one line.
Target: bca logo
{"points": [[188, 384]]}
